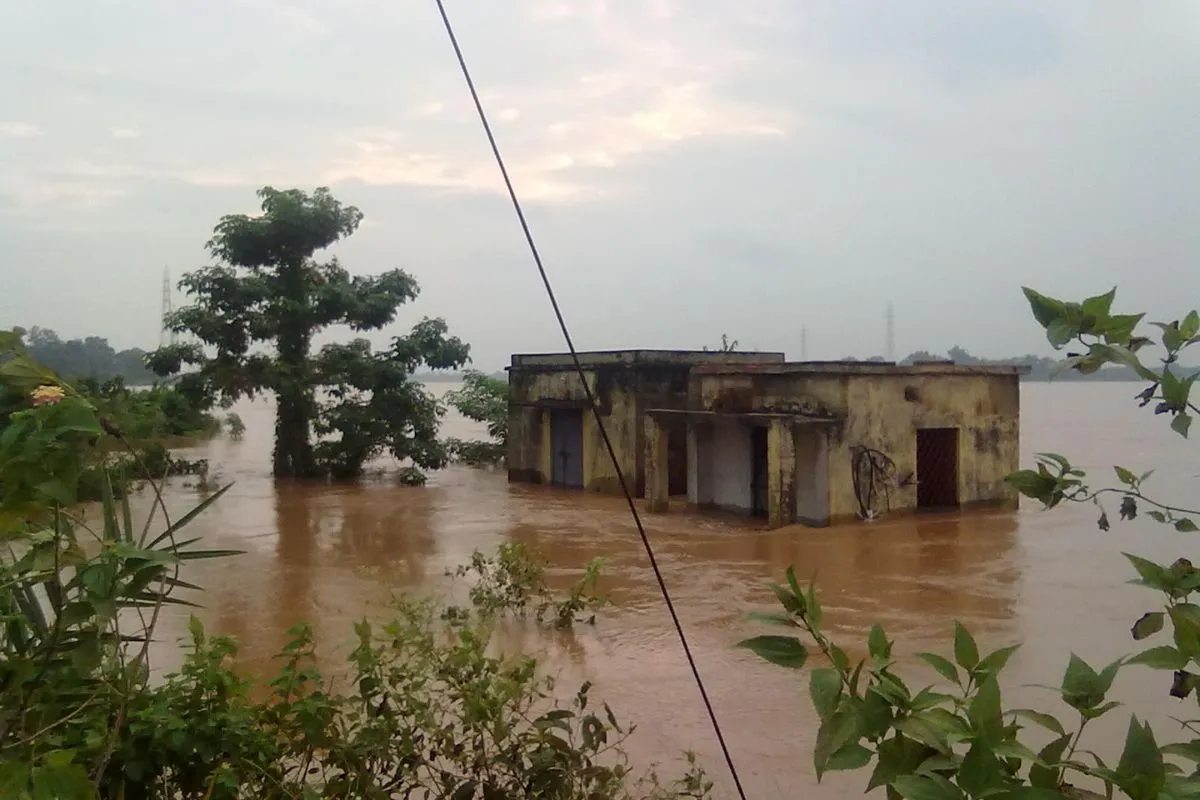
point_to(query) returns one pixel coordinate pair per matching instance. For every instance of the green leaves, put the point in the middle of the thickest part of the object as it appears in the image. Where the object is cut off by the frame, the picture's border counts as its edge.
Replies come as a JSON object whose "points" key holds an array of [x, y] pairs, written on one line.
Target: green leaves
{"points": [[825, 689], [1046, 310], [1066, 321], [1053, 481], [878, 644], [944, 667], [1140, 772], [1083, 688], [966, 653], [967, 745], [792, 603], [1163, 657], [1041, 718], [836, 746], [985, 712], [922, 787], [1182, 423], [783, 651]]}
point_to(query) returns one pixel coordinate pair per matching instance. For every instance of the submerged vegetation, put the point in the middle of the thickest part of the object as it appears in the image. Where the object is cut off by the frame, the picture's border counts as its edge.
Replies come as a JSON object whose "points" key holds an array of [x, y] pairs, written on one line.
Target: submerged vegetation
{"points": [[483, 398], [427, 708], [959, 740], [342, 406]]}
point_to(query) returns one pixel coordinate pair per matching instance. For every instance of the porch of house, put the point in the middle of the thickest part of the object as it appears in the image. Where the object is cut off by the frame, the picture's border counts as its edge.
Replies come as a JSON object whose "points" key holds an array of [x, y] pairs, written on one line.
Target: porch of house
{"points": [[769, 465]]}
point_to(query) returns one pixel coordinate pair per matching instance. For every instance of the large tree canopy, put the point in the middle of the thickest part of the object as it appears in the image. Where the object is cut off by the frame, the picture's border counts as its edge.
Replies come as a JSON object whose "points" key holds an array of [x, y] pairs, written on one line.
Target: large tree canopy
{"points": [[267, 289]]}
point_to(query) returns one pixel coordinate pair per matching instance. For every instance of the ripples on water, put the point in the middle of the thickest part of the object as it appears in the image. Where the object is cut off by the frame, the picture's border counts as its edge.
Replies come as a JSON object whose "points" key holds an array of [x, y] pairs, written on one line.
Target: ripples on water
{"points": [[1050, 580]]}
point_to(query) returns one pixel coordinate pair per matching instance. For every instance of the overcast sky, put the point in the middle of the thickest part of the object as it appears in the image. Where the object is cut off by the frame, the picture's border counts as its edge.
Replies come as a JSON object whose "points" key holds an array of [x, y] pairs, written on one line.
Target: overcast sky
{"points": [[690, 167]]}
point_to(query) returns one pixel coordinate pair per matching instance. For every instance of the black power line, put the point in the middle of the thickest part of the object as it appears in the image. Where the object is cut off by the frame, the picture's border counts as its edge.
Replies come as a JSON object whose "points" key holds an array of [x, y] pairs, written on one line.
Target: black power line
{"points": [[562, 324]]}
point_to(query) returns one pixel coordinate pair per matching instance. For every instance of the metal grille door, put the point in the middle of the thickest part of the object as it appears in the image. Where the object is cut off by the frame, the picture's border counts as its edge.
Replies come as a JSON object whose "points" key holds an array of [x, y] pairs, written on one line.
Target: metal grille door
{"points": [[937, 468]]}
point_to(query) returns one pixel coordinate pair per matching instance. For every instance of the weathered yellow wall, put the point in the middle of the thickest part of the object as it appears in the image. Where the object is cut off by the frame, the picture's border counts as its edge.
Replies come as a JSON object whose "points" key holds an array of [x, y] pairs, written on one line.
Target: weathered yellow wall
{"points": [[881, 418], [529, 451], [877, 415]]}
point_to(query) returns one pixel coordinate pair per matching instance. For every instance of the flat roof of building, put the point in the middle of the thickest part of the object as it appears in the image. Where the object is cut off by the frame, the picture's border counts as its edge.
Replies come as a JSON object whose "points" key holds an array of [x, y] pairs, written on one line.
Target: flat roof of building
{"points": [[598, 358], [861, 368]]}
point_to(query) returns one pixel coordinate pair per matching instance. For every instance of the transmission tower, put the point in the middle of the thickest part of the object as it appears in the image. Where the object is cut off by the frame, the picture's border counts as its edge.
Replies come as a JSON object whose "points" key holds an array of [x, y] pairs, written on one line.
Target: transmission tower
{"points": [[891, 333], [166, 336]]}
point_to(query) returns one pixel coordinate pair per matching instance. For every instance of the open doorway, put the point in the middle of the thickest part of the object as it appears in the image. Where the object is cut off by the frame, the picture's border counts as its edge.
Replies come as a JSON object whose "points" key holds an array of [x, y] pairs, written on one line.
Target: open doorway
{"points": [[937, 469], [677, 461], [566, 448], [758, 471]]}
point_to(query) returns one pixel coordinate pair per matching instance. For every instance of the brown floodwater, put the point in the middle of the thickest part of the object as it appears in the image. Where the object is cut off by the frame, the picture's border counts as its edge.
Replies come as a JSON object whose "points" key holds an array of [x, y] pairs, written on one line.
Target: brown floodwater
{"points": [[1050, 580]]}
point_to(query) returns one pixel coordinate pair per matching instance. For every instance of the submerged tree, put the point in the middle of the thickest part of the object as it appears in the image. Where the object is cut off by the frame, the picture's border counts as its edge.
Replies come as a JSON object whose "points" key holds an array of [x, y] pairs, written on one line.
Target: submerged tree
{"points": [[269, 289], [482, 399]]}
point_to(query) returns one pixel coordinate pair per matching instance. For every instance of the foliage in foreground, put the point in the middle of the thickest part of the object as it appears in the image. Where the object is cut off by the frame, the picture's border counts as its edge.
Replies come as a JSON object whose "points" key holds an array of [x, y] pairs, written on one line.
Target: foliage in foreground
{"points": [[427, 710], [269, 289], [959, 740], [138, 421], [482, 399]]}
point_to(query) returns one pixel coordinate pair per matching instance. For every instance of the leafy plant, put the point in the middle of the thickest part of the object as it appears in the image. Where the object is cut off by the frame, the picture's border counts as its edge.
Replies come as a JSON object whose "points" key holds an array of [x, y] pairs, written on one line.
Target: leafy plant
{"points": [[727, 345], [513, 581], [235, 426], [66, 587], [269, 289], [483, 399], [957, 739]]}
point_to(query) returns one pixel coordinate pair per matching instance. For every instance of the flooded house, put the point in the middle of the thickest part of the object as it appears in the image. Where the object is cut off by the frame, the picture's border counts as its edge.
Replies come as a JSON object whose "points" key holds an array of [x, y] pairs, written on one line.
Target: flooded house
{"points": [[816, 443]]}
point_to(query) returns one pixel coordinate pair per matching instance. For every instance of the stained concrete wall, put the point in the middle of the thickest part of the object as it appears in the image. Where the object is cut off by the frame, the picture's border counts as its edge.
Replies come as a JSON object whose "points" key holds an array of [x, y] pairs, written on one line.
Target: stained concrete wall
{"points": [[883, 411], [626, 384], [730, 466], [532, 397], [812, 474]]}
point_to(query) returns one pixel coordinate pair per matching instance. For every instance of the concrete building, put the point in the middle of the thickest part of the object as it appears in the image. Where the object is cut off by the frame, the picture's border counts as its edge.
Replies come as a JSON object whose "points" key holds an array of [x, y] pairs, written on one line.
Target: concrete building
{"points": [[812, 442]]}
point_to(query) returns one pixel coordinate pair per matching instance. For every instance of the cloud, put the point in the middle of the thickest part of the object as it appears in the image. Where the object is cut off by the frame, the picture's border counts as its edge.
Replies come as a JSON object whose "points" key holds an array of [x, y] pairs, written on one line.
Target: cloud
{"points": [[756, 166], [609, 81], [19, 130]]}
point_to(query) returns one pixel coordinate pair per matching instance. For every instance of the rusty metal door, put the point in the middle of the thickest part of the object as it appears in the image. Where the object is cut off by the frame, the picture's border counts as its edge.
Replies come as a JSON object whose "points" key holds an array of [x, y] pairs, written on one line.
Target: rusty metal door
{"points": [[937, 468], [566, 448]]}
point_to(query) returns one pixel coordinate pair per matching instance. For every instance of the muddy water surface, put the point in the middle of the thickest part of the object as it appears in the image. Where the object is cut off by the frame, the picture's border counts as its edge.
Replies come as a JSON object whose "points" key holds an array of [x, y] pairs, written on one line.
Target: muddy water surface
{"points": [[1049, 580]]}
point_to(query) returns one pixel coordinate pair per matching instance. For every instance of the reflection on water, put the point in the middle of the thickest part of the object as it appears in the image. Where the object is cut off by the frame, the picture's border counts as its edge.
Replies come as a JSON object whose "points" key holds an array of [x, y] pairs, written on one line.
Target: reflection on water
{"points": [[329, 555]]}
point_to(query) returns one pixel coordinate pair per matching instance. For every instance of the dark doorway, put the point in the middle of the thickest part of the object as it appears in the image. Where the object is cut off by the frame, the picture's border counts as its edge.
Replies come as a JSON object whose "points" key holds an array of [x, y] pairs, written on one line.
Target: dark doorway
{"points": [[566, 448], [758, 471], [677, 461], [937, 468]]}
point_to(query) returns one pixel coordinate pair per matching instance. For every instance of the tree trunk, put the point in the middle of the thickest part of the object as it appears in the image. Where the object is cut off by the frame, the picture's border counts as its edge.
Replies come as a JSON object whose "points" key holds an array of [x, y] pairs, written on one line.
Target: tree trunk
{"points": [[293, 457]]}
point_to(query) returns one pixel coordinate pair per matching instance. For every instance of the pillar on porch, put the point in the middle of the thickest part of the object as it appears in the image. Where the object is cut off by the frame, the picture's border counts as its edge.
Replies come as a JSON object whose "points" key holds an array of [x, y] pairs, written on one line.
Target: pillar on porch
{"points": [[657, 488], [781, 474]]}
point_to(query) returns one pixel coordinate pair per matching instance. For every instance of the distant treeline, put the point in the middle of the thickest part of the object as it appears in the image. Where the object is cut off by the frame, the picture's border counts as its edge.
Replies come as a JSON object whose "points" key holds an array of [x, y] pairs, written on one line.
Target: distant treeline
{"points": [[1041, 368], [454, 377], [92, 357]]}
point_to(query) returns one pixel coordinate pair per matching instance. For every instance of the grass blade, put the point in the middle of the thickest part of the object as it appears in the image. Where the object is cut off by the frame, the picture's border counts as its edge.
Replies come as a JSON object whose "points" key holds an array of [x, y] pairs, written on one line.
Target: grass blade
{"points": [[191, 515]]}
